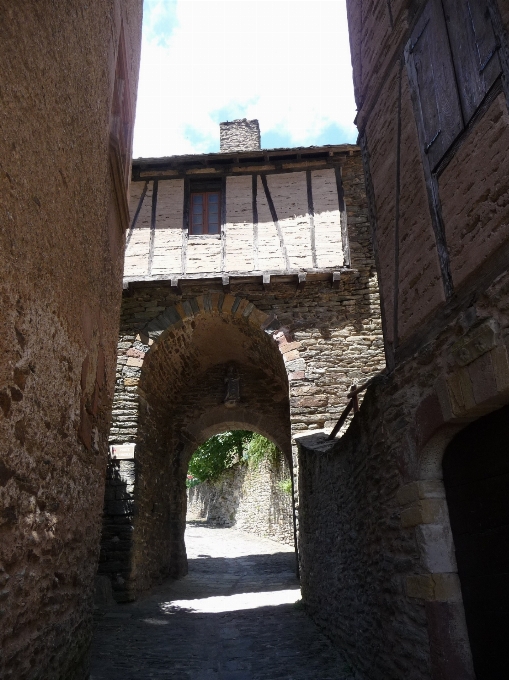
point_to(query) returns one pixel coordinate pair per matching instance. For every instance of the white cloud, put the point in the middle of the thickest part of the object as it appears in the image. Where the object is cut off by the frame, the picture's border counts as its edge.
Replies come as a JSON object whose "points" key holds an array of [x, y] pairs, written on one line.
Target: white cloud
{"points": [[285, 62]]}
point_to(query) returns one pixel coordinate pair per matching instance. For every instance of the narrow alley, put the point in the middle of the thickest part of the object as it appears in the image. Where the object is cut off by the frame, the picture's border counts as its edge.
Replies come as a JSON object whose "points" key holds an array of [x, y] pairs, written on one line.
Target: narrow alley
{"points": [[236, 616]]}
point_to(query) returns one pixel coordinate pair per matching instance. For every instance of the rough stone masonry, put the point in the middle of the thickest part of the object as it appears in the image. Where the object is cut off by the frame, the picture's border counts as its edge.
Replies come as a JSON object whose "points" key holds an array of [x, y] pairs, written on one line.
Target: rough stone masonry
{"points": [[286, 293], [69, 81], [239, 135], [401, 550]]}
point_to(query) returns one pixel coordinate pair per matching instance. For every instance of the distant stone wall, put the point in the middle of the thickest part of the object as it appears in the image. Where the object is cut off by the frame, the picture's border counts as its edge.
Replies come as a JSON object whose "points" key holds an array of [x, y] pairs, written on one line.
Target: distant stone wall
{"points": [[249, 498]]}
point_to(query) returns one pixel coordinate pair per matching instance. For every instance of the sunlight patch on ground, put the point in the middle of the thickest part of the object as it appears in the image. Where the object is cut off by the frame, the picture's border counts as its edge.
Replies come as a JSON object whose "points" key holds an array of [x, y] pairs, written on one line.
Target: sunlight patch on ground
{"points": [[233, 603]]}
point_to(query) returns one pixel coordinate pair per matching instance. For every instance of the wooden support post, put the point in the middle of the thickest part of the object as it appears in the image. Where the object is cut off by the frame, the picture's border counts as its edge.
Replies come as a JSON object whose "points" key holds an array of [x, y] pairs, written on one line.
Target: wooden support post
{"points": [[175, 286]]}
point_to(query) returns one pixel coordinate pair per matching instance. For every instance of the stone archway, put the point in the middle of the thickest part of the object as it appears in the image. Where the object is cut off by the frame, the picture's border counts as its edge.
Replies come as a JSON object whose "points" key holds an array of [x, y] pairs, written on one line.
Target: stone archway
{"points": [[460, 398], [476, 480], [179, 363]]}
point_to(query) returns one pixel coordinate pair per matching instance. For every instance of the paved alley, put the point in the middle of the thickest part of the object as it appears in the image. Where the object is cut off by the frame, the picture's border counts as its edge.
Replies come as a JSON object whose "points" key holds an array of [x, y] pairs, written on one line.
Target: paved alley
{"points": [[236, 616]]}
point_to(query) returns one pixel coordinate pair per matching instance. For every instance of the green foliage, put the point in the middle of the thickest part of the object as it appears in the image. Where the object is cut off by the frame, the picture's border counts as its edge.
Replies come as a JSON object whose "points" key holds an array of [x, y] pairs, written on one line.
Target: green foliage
{"points": [[218, 454], [224, 450], [286, 485], [260, 449]]}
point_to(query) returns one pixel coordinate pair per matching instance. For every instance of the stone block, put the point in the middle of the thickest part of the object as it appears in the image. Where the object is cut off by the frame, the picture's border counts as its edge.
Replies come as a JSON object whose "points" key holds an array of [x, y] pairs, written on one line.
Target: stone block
{"points": [[475, 343], [135, 353], [482, 378], [409, 493], [500, 365], [460, 392], [132, 361], [227, 304], [257, 318], [436, 548], [443, 587], [425, 511], [420, 586], [285, 347]]}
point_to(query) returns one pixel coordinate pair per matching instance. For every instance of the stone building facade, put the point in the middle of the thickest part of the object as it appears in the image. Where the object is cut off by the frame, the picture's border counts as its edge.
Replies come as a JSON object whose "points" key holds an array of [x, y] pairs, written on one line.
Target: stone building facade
{"points": [[68, 93], [403, 552], [263, 326]]}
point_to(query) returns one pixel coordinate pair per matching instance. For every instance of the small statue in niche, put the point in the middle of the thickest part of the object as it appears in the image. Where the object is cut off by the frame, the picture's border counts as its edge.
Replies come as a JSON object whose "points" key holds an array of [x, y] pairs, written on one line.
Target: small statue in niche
{"points": [[232, 381]]}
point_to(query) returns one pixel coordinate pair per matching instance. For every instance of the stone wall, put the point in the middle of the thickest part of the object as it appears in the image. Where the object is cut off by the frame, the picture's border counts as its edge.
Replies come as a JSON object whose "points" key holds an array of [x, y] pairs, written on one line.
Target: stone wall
{"points": [[61, 239], [377, 554], [440, 213], [249, 498], [379, 569], [297, 346]]}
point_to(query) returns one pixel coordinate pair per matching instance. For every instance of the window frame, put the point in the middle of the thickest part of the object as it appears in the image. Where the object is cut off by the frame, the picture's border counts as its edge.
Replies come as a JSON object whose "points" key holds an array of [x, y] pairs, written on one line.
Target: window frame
{"points": [[452, 40], [205, 225]]}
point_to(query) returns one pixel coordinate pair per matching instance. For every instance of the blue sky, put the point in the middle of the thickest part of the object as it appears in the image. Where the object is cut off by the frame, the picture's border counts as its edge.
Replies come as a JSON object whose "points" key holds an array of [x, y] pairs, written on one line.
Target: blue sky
{"points": [[285, 62]]}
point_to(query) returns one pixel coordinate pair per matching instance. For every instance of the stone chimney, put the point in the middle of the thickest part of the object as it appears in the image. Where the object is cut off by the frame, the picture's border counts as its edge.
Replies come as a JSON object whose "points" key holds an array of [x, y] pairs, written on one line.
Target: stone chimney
{"points": [[239, 135]]}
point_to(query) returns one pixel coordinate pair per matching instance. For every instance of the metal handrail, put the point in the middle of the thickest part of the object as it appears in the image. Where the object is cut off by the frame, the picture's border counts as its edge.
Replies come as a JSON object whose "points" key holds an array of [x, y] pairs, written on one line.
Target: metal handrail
{"points": [[353, 403]]}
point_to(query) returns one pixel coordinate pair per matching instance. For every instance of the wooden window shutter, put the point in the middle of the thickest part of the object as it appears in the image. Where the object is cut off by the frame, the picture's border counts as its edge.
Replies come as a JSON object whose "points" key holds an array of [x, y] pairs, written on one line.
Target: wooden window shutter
{"points": [[475, 50], [433, 81]]}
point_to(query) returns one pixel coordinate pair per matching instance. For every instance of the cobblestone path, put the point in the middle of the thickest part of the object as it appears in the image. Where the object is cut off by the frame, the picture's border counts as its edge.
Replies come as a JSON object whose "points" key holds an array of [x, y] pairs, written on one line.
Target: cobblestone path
{"points": [[236, 616]]}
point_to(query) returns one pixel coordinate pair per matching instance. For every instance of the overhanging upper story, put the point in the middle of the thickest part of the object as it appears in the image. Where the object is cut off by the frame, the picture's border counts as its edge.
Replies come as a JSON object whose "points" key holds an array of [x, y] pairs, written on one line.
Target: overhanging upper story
{"points": [[236, 215]]}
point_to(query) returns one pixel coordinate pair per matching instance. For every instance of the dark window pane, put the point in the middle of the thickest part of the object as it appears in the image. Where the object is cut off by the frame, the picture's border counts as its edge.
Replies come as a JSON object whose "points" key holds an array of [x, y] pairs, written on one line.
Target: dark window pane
{"points": [[197, 228], [213, 198], [197, 199]]}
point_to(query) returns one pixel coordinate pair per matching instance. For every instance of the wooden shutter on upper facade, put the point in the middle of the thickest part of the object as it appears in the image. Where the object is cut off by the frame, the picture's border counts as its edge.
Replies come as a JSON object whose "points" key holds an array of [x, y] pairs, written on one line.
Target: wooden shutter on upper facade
{"points": [[432, 76], [474, 49]]}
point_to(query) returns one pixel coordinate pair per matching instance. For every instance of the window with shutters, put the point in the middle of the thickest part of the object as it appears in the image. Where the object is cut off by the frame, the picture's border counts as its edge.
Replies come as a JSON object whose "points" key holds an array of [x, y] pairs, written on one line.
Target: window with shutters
{"points": [[453, 62]]}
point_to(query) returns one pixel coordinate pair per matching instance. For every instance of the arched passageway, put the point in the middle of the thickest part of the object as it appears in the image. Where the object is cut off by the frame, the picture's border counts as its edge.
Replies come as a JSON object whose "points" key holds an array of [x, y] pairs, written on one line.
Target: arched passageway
{"points": [[476, 478], [204, 375]]}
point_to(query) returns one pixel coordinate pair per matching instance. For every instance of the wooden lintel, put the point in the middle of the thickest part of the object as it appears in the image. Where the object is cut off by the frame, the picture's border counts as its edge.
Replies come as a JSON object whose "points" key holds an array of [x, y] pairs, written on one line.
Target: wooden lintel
{"points": [[266, 280], [302, 280], [336, 277]]}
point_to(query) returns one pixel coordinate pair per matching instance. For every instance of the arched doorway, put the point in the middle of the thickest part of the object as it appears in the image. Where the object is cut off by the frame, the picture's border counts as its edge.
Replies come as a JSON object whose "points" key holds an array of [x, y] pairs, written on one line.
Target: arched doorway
{"points": [[206, 374], [476, 479]]}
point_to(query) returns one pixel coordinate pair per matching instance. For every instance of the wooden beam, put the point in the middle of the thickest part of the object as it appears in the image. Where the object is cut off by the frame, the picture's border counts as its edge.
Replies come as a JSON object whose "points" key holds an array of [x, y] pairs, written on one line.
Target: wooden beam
{"points": [[266, 280], [226, 283], [301, 280], [336, 278]]}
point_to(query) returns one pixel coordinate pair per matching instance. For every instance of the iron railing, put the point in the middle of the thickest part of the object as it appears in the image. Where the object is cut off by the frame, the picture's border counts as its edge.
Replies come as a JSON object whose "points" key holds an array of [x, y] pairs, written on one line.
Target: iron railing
{"points": [[353, 403]]}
